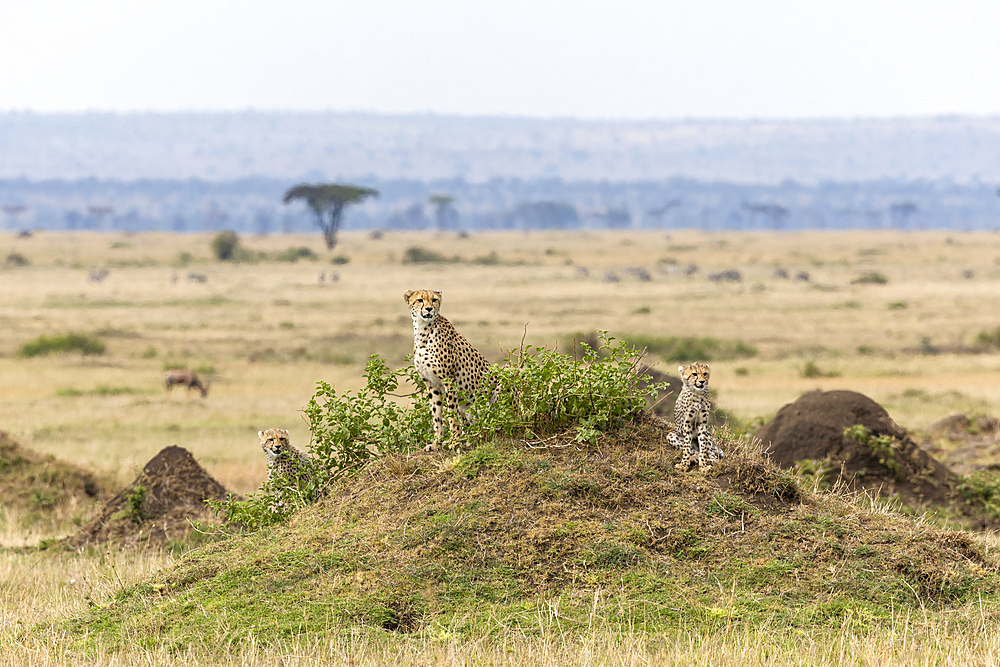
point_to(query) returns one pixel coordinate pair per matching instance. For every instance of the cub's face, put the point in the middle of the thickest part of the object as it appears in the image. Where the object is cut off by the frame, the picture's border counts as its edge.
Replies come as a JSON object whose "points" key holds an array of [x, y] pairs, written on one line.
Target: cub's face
{"points": [[425, 305], [695, 375], [273, 441]]}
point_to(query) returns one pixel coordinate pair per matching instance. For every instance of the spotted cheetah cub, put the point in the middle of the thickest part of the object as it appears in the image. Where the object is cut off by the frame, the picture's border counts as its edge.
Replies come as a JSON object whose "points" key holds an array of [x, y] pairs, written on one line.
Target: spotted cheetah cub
{"points": [[692, 432], [440, 353], [285, 464]]}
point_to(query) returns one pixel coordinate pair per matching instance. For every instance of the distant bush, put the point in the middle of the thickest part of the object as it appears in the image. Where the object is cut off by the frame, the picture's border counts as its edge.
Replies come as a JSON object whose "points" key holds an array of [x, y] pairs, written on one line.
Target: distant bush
{"points": [[340, 259], [418, 255], [226, 246], [811, 370], [693, 348], [988, 339], [491, 259], [16, 259], [71, 342], [873, 278], [295, 254]]}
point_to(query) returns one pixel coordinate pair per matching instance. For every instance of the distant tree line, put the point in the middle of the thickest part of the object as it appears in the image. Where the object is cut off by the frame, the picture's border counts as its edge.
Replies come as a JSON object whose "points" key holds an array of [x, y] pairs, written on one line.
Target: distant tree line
{"points": [[256, 206]]}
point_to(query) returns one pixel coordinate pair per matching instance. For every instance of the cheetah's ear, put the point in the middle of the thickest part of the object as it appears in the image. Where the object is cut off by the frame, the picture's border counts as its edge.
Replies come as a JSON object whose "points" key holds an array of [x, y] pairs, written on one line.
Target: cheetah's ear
{"points": [[680, 369], [260, 434], [407, 294], [284, 432], [438, 293]]}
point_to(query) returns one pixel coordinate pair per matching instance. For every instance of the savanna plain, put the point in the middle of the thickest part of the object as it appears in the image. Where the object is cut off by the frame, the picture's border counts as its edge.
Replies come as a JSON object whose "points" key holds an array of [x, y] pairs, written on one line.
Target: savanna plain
{"points": [[911, 320]]}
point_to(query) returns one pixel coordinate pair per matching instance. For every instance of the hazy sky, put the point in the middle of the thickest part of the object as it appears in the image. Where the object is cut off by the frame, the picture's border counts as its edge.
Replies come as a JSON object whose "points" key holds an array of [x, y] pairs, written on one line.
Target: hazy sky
{"points": [[640, 59]]}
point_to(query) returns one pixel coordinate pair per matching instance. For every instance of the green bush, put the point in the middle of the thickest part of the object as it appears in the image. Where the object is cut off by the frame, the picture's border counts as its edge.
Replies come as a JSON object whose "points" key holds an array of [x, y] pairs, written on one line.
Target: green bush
{"points": [[295, 254], [540, 393], [491, 259], [418, 255], [682, 349], [71, 342], [988, 339], [340, 260], [17, 259], [872, 278], [226, 246]]}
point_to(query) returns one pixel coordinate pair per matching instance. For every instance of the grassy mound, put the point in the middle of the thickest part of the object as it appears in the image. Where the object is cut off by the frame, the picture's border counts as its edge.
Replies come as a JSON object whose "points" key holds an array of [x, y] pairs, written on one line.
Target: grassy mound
{"points": [[508, 537]]}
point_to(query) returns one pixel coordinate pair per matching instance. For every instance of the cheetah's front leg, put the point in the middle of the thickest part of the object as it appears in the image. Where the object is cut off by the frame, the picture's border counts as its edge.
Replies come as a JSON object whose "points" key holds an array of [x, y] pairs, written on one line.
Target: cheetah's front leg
{"points": [[708, 451], [434, 397]]}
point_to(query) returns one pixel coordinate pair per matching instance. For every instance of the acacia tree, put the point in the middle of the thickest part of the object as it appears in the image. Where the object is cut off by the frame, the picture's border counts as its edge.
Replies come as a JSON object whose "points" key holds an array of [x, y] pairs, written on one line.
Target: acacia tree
{"points": [[327, 201], [443, 205]]}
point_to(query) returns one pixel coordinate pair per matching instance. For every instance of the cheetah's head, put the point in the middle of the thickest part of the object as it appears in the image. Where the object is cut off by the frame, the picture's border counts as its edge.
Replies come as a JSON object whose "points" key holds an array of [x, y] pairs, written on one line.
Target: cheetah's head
{"points": [[425, 305], [273, 441], [695, 375]]}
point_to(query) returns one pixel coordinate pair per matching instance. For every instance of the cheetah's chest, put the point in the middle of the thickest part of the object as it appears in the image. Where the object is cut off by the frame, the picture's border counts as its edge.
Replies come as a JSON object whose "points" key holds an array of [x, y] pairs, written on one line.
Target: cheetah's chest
{"points": [[694, 408], [431, 356]]}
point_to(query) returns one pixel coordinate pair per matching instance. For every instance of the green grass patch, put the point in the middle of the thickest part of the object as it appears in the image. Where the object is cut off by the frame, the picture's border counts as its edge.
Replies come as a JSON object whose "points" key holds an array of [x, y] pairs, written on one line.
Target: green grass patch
{"points": [[690, 348], [71, 342]]}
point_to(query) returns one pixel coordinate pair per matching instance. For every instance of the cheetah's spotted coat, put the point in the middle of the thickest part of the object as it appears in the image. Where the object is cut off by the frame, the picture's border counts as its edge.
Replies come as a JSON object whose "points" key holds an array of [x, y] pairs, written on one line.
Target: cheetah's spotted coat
{"points": [[692, 432], [442, 354]]}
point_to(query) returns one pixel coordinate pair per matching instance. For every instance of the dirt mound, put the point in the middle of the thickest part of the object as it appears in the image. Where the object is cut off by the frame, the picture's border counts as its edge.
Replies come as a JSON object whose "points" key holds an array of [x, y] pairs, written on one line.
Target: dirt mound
{"points": [[812, 428], [32, 482], [964, 444], [158, 506]]}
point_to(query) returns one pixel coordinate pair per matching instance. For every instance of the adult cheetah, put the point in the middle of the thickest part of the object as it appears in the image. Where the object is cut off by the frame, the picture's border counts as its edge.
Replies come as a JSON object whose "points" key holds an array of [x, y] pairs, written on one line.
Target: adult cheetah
{"points": [[692, 432], [442, 354]]}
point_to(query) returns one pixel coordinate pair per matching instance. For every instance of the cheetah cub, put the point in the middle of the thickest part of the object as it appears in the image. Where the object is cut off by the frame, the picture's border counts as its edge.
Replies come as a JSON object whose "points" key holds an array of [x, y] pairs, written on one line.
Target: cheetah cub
{"points": [[285, 463], [440, 353], [691, 412]]}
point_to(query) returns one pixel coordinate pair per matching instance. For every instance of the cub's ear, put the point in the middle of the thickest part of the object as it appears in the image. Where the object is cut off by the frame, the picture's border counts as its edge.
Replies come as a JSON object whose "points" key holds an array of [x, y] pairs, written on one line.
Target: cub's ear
{"points": [[707, 367], [680, 369], [438, 293], [407, 294], [260, 434]]}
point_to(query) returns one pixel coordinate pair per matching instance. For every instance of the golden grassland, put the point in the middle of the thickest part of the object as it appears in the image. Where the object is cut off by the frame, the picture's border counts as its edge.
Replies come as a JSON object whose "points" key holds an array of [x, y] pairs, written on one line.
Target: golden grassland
{"points": [[266, 331]]}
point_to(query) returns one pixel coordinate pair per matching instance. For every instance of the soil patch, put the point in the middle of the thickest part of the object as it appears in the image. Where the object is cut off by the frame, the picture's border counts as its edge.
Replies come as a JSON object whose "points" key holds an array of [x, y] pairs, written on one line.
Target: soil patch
{"points": [[888, 461], [32, 482], [158, 507]]}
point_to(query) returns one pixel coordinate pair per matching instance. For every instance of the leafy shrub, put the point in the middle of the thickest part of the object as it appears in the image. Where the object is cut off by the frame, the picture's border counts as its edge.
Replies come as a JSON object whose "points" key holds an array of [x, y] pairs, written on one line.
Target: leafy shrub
{"points": [[884, 447], [340, 260], [540, 393], [872, 278], [71, 342], [295, 254], [226, 245]]}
